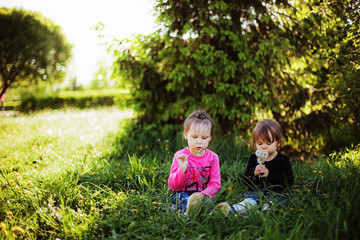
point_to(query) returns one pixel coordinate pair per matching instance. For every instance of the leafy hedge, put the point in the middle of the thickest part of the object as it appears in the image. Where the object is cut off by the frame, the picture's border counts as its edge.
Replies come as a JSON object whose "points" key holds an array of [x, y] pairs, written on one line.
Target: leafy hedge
{"points": [[77, 99], [248, 60]]}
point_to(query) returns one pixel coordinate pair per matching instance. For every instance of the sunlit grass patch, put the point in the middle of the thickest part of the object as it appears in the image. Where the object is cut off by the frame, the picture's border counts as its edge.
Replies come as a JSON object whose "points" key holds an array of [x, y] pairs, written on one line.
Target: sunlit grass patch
{"points": [[69, 184]]}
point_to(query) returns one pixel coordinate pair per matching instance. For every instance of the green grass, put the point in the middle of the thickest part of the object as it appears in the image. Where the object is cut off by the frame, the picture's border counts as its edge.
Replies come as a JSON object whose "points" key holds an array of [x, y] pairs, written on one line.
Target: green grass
{"points": [[60, 179]]}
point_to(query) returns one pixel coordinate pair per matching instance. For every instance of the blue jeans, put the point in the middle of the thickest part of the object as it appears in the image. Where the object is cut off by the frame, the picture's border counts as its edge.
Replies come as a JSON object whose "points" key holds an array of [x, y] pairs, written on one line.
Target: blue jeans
{"points": [[271, 196], [180, 199]]}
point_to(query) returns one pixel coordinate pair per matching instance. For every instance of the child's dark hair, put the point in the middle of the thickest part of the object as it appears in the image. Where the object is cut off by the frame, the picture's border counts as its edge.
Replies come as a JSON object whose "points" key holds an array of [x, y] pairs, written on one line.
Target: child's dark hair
{"points": [[199, 117], [268, 130]]}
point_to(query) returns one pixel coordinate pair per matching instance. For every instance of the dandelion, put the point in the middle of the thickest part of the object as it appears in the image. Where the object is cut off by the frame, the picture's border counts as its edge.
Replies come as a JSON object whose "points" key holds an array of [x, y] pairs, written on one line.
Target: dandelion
{"points": [[315, 171], [155, 203], [93, 209], [300, 210], [320, 172], [261, 155], [92, 173], [164, 180], [146, 146], [17, 229], [154, 168], [134, 210], [187, 229], [9, 213], [229, 189], [140, 147], [3, 226]]}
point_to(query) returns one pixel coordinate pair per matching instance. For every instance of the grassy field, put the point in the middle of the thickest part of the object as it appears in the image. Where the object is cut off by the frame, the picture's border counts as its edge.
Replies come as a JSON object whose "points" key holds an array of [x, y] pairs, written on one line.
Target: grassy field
{"points": [[60, 179]]}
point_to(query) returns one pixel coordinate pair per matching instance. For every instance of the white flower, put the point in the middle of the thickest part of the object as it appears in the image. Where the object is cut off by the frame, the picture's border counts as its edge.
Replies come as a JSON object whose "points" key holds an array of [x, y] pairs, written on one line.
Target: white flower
{"points": [[261, 155]]}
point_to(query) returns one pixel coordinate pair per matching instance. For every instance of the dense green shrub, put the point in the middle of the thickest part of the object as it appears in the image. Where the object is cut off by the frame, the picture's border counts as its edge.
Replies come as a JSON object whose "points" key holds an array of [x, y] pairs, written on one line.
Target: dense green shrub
{"points": [[248, 60], [77, 99]]}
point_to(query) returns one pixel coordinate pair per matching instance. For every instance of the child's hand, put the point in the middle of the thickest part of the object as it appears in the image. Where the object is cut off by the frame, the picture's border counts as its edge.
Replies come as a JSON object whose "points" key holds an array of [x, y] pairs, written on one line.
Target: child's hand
{"points": [[183, 162], [261, 171]]}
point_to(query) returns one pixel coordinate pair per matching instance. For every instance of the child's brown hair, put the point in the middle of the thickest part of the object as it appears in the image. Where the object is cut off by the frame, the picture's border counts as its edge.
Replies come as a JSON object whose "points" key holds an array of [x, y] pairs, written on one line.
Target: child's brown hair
{"points": [[268, 130], [199, 117]]}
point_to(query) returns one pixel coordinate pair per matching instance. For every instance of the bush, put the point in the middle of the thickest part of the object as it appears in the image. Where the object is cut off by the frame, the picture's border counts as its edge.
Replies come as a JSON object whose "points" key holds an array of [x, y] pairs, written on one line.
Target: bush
{"points": [[205, 57], [78, 99]]}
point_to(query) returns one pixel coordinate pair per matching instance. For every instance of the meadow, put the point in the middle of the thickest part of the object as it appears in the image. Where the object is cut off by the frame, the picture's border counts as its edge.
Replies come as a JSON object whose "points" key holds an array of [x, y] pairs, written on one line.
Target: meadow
{"points": [[63, 176]]}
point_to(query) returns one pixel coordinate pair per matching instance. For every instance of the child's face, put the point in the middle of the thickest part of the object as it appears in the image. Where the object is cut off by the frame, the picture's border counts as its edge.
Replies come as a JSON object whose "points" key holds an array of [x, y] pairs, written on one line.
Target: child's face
{"points": [[263, 145], [198, 138]]}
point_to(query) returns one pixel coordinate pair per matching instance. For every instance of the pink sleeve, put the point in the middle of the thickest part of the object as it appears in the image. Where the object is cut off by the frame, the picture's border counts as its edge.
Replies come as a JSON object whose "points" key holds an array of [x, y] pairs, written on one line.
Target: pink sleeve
{"points": [[177, 176], [214, 185]]}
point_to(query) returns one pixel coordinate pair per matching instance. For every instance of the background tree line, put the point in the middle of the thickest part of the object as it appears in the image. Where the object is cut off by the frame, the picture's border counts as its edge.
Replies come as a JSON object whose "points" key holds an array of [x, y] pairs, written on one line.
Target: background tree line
{"points": [[295, 61], [32, 49]]}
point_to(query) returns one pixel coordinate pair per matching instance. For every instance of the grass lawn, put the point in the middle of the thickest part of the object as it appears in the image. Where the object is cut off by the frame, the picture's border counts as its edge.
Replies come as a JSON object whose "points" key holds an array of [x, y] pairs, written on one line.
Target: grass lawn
{"points": [[60, 179]]}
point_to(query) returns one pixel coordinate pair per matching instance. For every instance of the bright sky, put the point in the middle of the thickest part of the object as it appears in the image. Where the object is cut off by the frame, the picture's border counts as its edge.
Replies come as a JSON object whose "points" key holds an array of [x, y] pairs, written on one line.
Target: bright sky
{"points": [[121, 18]]}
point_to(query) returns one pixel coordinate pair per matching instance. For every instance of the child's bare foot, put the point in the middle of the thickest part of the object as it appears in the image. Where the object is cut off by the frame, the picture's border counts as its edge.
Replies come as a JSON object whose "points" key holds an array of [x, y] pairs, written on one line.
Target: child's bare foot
{"points": [[221, 209], [194, 201]]}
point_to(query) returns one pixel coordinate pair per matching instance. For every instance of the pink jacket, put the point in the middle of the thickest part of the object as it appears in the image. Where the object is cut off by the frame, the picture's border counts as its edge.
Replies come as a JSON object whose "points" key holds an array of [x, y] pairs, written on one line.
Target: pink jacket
{"points": [[202, 174]]}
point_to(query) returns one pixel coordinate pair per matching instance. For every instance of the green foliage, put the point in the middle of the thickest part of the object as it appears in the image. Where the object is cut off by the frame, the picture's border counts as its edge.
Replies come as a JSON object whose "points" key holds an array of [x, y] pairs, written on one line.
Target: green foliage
{"points": [[349, 157], [330, 71], [32, 101], [246, 60], [213, 64], [32, 49]]}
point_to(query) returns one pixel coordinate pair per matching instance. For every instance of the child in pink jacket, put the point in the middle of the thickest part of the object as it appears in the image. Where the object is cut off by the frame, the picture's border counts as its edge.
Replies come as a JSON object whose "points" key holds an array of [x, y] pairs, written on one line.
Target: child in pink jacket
{"points": [[195, 171]]}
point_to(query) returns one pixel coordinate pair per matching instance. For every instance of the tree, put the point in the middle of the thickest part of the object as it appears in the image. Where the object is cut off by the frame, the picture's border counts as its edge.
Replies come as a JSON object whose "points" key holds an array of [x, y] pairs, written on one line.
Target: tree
{"points": [[32, 48], [330, 69], [241, 60], [225, 56]]}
